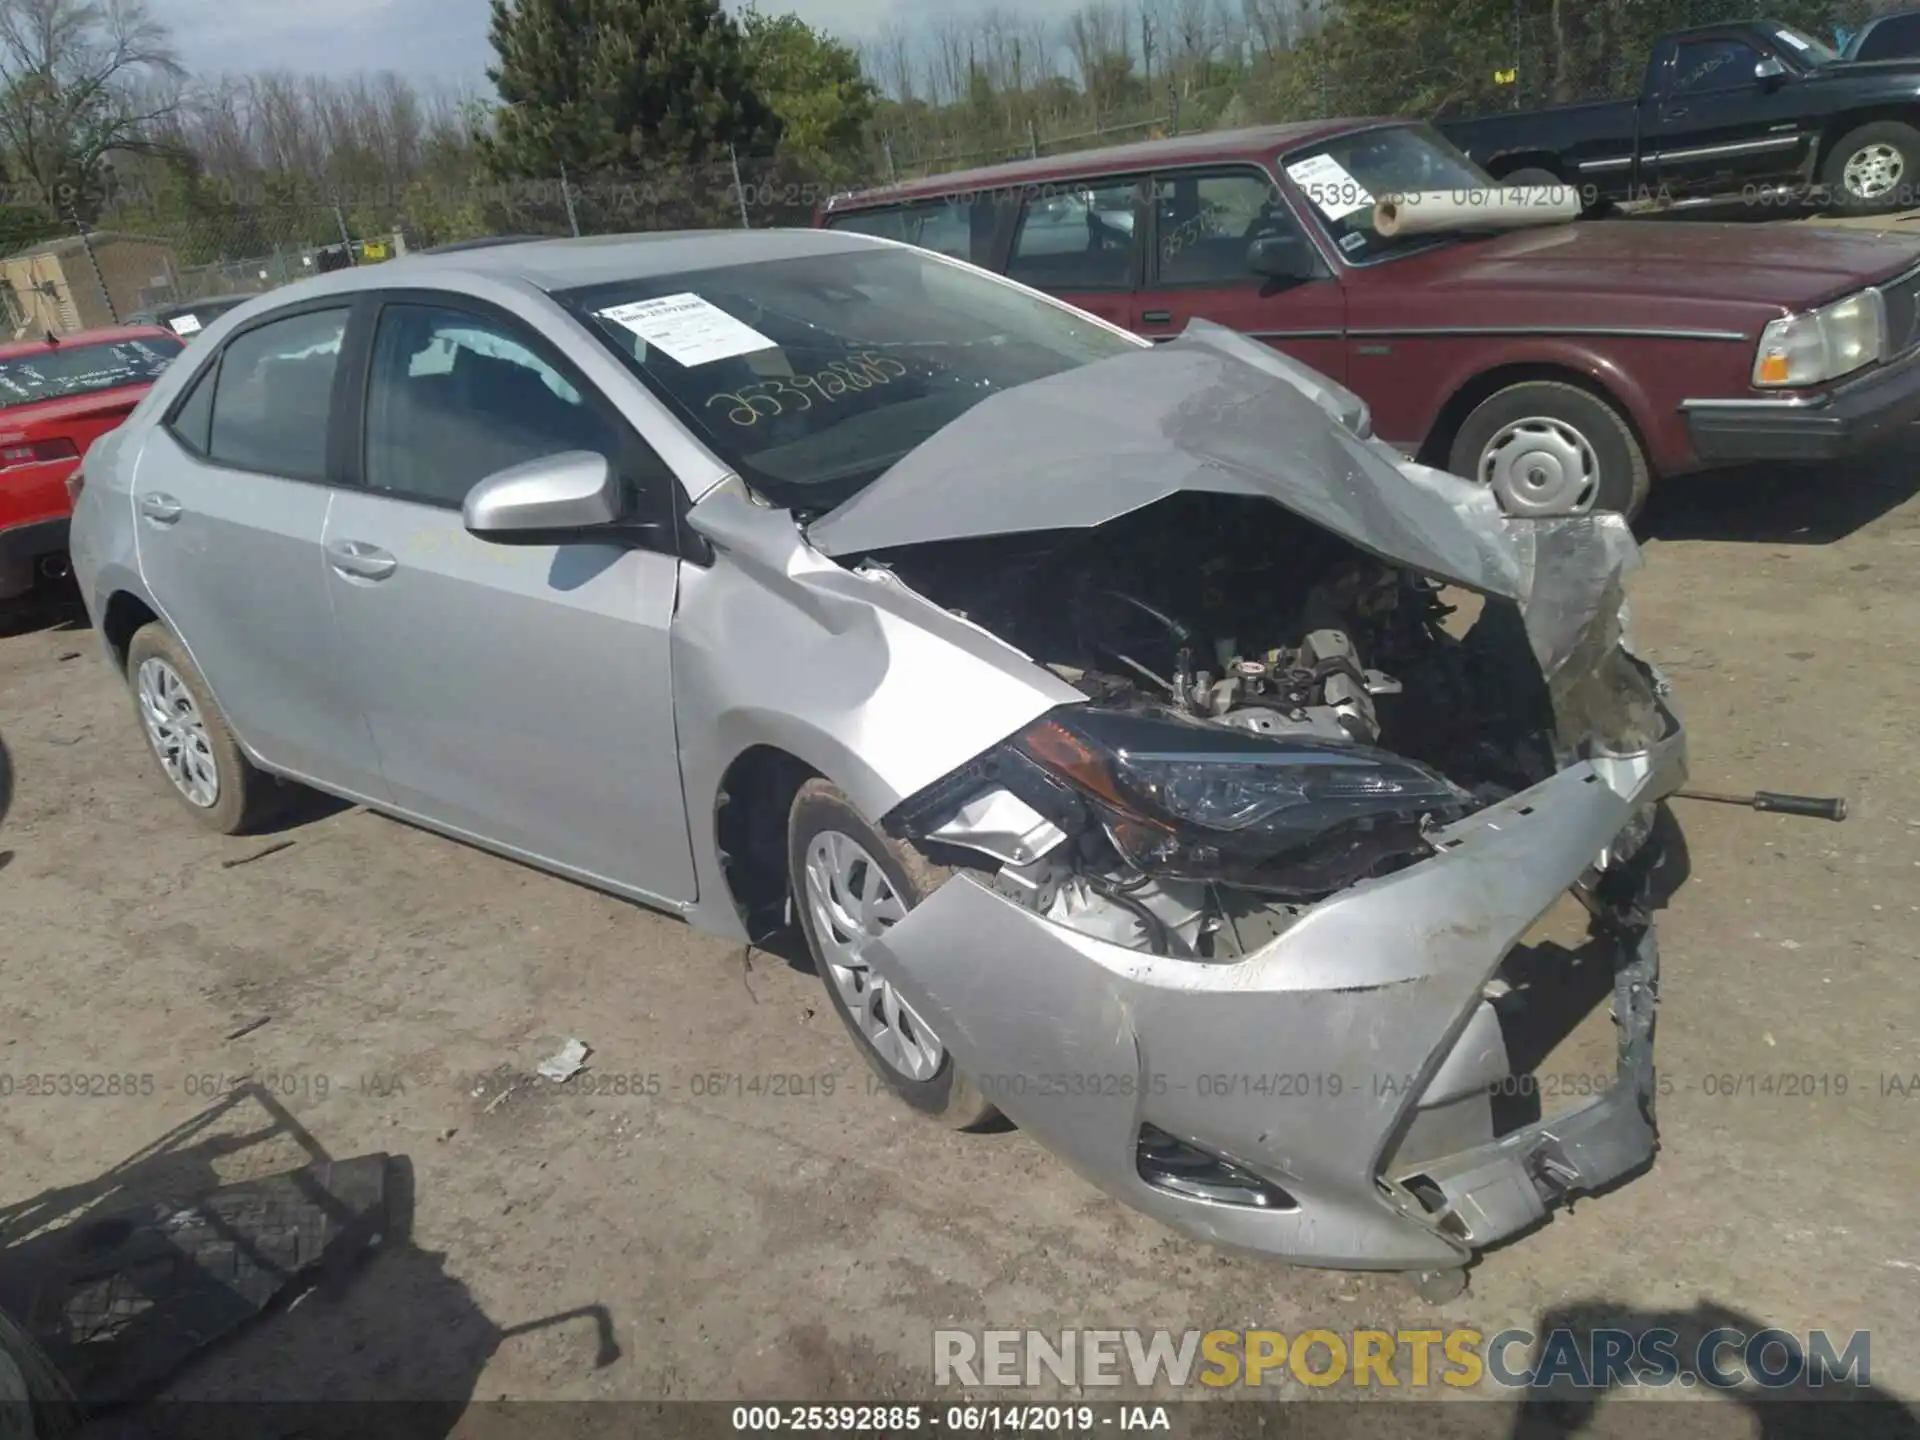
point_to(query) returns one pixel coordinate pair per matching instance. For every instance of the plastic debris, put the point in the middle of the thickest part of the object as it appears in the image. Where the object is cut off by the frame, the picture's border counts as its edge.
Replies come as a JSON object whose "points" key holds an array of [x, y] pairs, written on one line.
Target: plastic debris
{"points": [[566, 1063]]}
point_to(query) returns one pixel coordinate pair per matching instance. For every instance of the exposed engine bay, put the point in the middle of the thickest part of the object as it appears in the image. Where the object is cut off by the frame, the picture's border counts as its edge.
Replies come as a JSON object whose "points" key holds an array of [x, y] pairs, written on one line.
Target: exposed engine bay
{"points": [[1204, 629]]}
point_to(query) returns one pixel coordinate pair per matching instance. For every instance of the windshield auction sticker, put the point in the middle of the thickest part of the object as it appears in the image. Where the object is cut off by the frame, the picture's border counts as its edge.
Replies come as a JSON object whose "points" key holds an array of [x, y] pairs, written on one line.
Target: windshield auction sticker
{"points": [[1329, 185], [185, 324], [688, 329]]}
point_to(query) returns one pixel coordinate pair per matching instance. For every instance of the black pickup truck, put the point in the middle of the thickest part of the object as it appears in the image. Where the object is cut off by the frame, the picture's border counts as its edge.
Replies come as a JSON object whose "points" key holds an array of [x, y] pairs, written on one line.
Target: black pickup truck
{"points": [[1752, 110]]}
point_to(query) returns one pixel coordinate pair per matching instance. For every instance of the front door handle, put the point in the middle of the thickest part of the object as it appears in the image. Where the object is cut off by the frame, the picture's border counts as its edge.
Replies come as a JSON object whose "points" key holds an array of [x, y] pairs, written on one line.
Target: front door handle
{"points": [[1156, 317], [360, 561], [160, 509]]}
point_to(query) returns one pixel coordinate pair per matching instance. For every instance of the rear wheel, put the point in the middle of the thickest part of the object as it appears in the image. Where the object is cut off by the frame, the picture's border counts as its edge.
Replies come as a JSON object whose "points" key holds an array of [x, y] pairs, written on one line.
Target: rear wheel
{"points": [[852, 883], [1874, 168], [1548, 448], [1531, 175], [202, 762]]}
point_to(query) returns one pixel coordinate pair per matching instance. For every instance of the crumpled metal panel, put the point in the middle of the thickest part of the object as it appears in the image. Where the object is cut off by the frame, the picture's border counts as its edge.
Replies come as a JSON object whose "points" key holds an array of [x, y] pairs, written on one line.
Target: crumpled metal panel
{"points": [[1081, 1041], [1203, 412]]}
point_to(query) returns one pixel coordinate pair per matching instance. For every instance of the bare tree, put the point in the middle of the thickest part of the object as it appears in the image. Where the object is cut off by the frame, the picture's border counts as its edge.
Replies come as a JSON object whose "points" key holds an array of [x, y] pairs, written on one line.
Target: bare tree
{"points": [[1096, 37], [80, 80]]}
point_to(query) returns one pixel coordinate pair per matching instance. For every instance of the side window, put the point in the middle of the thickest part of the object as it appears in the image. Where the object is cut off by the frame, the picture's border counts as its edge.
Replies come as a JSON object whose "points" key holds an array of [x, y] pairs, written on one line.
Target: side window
{"points": [[1206, 223], [453, 397], [1703, 65], [192, 423], [961, 227], [274, 393], [1076, 238]]}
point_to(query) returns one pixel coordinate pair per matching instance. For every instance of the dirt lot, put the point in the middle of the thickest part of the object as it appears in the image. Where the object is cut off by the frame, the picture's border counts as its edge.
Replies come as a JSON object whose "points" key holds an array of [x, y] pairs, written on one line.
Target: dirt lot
{"points": [[715, 1242]]}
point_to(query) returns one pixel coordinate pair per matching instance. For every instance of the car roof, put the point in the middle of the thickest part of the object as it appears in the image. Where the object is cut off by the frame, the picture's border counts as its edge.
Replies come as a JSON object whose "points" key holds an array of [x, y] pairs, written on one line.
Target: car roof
{"points": [[1258, 140], [201, 302], [105, 335], [599, 259]]}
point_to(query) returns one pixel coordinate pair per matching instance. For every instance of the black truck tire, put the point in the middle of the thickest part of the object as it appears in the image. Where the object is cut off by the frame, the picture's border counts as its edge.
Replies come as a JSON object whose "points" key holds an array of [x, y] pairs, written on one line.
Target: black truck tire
{"points": [[1556, 433], [1873, 169], [1532, 175]]}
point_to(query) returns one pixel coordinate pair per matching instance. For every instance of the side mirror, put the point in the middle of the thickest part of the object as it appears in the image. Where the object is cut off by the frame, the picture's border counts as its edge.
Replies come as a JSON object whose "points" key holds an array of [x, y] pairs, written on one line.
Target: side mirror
{"points": [[1283, 257], [573, 496], [1769, 71]]}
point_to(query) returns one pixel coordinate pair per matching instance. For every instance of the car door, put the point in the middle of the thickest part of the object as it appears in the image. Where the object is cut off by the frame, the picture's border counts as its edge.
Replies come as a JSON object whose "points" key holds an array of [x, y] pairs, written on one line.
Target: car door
{"points": [[517, 695], [231, 495], [1203, 224], [1717, 127], [1080, 240]]}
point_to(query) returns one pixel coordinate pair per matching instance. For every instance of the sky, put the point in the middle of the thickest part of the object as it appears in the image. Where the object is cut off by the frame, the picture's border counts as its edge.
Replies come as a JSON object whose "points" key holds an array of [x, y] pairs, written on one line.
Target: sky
{"points": [[445, 41]]}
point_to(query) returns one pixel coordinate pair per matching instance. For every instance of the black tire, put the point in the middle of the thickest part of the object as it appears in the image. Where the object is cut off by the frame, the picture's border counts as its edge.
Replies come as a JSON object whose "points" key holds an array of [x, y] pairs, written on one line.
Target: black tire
{"points": [[1531, 175], [1621, 465], [1893, 135], [245, 796], [948, 1096]]}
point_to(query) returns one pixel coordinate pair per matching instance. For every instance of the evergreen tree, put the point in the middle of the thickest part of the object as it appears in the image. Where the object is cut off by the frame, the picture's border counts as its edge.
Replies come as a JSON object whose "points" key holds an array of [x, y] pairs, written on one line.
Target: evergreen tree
{"points": [[605, 85]]}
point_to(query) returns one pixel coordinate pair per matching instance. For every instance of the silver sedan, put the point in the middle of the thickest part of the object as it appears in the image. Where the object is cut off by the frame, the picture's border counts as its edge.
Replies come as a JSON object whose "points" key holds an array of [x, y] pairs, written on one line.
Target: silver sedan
{"points": [[1099, 712]]}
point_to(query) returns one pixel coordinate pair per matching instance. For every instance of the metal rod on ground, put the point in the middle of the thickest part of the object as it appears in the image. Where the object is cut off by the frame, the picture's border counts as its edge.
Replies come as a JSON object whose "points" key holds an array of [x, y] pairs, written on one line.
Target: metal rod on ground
{"points": [[739, 189], [1033, 139], [1813, 806], [566, 194]]}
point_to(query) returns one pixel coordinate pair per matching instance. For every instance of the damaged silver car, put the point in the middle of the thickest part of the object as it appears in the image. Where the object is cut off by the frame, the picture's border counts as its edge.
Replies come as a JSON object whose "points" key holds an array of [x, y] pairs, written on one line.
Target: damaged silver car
{"points": [[1120, 725]]}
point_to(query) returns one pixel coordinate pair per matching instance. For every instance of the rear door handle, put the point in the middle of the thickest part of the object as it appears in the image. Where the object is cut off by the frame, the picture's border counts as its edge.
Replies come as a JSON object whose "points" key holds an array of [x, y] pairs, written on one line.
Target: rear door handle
{"points": [[360, 561], [1156, 317], [160, 509]]}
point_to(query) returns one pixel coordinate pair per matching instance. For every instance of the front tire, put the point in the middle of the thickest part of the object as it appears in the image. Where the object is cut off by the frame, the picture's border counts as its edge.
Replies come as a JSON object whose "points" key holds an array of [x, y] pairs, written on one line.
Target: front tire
{"points": [[190, 740], [1873, 169], [1548, 448], [851, 883]]}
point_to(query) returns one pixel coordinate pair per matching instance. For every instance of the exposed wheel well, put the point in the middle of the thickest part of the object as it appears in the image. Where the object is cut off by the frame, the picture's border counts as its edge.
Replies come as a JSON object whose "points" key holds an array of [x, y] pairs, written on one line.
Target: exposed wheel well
{"points": [[125, 614], [1483, 387], [750, 827]]}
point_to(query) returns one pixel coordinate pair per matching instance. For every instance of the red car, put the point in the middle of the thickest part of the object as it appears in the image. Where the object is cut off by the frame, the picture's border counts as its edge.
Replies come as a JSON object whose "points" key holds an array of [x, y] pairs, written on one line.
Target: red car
{"points": [[1566, 366], [57, 396]]}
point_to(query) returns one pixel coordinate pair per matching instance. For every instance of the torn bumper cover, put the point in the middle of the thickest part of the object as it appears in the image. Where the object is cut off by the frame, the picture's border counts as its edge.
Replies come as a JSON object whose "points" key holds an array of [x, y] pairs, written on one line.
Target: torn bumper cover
{"points": [[1344, 1070]]}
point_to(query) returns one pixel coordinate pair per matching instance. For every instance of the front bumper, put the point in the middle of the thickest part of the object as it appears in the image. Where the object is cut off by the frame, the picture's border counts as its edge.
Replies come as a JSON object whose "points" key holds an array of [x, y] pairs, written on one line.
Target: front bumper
{"points": [[1328, 1061], [1855, 415]]}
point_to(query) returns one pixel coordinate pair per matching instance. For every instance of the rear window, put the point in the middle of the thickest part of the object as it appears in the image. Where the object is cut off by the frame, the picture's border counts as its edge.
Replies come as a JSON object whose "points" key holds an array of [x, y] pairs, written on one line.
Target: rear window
{"points": [[961, 226], [1891, 39], [66, 370]]}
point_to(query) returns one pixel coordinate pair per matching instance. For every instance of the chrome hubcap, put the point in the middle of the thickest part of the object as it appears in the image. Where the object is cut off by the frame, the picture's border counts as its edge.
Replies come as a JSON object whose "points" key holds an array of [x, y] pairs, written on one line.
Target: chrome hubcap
{"points": [[852, 901], [1541, 467], [1873, 170], [177, 732]]}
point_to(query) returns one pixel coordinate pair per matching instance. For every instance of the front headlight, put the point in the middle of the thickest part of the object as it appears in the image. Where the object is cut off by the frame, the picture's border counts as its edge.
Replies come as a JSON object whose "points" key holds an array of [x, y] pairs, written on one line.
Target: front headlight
{"points": [[1180, 797], [1823, 344]]}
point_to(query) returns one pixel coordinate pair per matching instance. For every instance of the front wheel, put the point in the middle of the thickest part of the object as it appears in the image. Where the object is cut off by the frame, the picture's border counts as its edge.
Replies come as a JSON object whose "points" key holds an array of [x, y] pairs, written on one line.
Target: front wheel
{"points": [[1548, 448], [851, 883], [1874, 168]]}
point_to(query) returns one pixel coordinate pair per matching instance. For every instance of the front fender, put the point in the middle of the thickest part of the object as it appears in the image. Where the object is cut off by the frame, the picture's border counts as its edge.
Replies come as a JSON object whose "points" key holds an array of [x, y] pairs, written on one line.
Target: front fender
{"points": [[854, 674]]}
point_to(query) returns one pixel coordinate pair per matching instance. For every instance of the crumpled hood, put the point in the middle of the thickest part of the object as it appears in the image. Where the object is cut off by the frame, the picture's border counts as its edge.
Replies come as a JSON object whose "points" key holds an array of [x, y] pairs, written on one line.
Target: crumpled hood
{"points": [[1210, 411]]}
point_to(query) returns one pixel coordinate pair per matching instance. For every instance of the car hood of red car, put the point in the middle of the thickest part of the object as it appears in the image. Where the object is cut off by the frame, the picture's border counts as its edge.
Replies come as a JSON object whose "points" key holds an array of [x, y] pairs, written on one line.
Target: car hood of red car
{"points": [[1769, 265]]}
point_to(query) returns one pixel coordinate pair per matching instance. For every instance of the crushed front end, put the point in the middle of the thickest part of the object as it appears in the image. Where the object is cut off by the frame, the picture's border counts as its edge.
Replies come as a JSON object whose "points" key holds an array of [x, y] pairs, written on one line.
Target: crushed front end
{"points": [[1228, 936]]}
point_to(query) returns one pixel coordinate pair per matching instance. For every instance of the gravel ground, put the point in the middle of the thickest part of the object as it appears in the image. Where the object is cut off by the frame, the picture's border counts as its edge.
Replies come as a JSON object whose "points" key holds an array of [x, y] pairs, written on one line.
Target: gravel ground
{"points": [[717, 1241]]}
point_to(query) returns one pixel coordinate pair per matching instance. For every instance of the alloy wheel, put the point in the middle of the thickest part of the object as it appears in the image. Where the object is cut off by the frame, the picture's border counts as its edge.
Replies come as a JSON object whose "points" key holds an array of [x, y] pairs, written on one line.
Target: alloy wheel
{"points": [[1541, 466], [1873, 170], [178, 732], [852, 901]]}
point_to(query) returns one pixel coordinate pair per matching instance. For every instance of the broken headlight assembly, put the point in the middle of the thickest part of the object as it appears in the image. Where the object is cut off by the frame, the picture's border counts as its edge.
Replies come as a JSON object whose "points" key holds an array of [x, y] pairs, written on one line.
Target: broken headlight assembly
{"points": [[1295, 816]]}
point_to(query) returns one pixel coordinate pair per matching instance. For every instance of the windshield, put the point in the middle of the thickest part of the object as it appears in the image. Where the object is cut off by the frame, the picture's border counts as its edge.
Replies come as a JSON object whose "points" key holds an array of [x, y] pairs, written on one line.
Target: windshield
{"points": [[1802, 46], [1343, 177], [65, 370], [811, 376]]}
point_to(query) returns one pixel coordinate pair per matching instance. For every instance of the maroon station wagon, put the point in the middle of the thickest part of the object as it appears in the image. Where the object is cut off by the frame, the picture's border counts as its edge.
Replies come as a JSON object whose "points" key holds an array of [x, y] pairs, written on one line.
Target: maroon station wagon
{"points": [[1563, 365]]}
